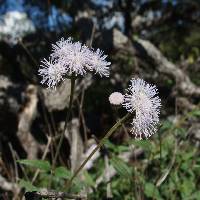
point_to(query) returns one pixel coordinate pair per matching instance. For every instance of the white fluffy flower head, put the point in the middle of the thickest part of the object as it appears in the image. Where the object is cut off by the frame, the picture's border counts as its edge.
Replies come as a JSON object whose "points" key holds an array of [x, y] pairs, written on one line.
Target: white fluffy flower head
{"points": [[75, 56], [61, 48], [72, 58], [52, 72], [141, 98], [98, 63], [116, 98], [79, 58]]}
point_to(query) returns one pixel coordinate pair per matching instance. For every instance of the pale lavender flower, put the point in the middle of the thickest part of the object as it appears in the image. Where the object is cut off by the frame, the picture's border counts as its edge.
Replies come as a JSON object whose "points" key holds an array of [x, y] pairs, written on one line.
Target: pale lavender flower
{"points": [[141, 98], [99, 64], [75, 56], [72, 58], [61, 48], [116, 98], [79, 58], [52, 72]]}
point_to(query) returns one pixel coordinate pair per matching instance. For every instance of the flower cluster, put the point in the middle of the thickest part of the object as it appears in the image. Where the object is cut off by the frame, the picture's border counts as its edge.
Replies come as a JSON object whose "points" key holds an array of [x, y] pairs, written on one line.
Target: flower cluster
{"points": [[72, 58], [141, 98]]}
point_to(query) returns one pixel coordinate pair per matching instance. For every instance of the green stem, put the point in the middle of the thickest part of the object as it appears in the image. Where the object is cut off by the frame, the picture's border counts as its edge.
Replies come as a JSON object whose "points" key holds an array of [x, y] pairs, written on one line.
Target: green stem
{"points": [[66, 121], [102, 141], [160, 144]]}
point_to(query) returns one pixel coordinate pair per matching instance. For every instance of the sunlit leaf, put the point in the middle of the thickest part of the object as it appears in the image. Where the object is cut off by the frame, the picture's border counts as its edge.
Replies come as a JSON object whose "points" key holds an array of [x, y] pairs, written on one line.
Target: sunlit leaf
{"points": [[121, 167], [151, 190], [62, 172], [144, 144], [39, 164], [88, 179], [27, 185]]}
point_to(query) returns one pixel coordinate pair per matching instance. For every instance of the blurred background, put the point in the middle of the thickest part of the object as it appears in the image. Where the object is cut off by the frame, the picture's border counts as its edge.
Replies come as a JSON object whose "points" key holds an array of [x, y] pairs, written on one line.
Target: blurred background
{"points": [[157, 40]]}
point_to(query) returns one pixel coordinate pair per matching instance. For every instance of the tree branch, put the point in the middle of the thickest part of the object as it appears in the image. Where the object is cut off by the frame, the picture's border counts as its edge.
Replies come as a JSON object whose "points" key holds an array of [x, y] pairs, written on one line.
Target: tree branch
{"points": [[163, 65]]}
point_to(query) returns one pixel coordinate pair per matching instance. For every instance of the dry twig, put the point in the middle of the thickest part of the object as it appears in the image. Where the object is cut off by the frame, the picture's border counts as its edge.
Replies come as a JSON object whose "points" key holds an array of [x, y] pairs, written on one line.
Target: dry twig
{"points": [[163, 65], [51, 195]]}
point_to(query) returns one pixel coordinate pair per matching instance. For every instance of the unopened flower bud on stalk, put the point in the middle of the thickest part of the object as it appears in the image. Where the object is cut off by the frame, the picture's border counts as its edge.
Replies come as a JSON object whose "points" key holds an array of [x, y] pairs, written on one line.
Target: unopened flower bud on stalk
{"points": [[116, 98]]}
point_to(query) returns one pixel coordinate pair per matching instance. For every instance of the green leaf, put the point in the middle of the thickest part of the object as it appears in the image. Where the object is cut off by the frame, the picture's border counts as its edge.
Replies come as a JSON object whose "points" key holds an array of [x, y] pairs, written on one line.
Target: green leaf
{"points": [[188, 156], [187, 187], [115, 148], [194, 195], [62, 172], [144, 144], [122, 148], [121, 167], [166, 125], [39, 164], [77, 186], [109, 145], [88, 179], [151, 190], [27, 185], [195, 113]]}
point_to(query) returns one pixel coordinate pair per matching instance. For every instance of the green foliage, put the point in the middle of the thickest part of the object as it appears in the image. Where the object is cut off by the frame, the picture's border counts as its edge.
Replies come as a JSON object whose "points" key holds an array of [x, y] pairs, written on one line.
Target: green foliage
{"points": [[144, 144], [88, 179], [114, 148], [166, 170], [27, 185], [62, 172], [121, 167], [151, 190], [39, 164]]}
